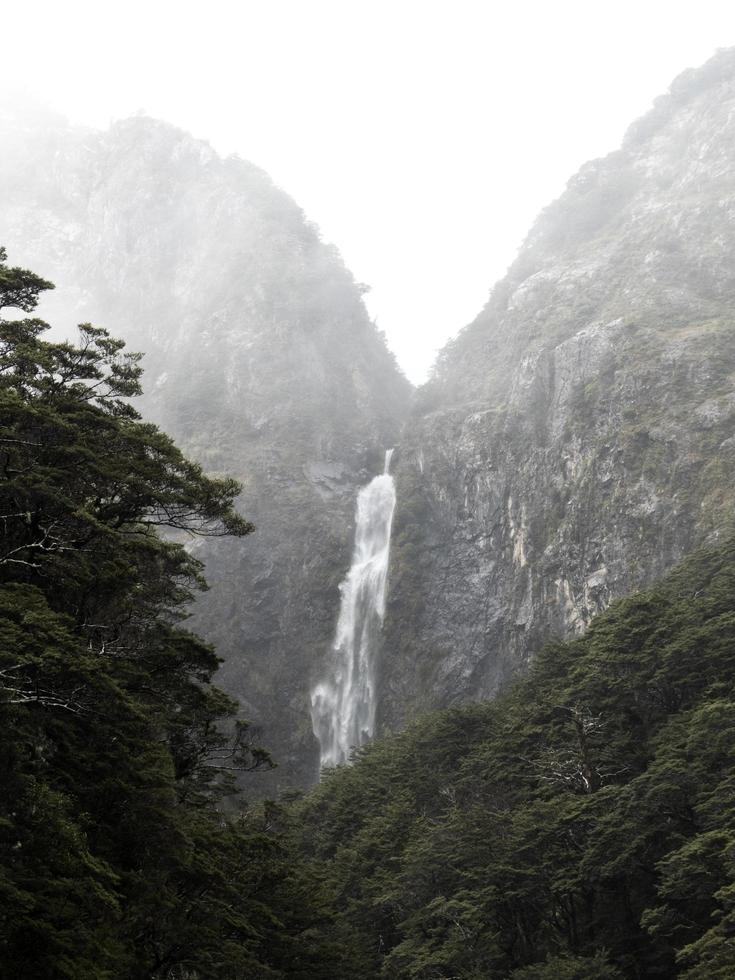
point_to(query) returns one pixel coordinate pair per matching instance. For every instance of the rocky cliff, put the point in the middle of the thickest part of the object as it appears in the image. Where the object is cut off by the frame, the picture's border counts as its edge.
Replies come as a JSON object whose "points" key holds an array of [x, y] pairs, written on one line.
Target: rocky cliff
{"points": [[579, 437], [260, 360]]}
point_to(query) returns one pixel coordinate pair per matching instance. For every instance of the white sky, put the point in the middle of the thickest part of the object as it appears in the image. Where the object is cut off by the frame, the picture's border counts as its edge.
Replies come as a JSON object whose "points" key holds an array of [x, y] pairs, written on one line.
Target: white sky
{"points": [[423, 137]]}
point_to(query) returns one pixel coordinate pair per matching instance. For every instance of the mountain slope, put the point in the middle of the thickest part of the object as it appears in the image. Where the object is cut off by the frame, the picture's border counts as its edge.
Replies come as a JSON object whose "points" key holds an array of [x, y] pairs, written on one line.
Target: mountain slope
{"points": [[581, 826], [260, 360], [577, 438]]}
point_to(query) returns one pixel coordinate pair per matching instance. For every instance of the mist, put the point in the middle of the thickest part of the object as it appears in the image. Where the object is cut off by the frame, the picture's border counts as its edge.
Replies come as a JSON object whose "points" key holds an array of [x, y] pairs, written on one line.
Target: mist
{"points": [[422, 139]]}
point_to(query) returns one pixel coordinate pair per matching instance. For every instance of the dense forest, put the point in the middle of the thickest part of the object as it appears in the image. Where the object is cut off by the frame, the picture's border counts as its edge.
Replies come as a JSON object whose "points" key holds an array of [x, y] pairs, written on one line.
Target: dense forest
{"points": [[580, 826], [115, 748]]}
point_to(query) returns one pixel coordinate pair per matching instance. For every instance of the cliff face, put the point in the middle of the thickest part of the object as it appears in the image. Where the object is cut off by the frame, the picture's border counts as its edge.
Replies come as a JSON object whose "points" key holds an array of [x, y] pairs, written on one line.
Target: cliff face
{"points": [[579, 437], [260, 361]]}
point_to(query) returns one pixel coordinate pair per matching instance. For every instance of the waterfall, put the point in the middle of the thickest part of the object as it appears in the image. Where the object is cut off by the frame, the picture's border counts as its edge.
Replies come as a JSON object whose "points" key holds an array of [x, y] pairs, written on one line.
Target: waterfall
{"points": [[343, 706]]}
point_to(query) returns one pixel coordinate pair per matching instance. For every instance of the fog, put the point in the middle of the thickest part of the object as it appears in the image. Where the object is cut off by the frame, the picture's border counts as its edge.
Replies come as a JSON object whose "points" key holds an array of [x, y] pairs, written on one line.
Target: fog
{"points": [[421, 137]]}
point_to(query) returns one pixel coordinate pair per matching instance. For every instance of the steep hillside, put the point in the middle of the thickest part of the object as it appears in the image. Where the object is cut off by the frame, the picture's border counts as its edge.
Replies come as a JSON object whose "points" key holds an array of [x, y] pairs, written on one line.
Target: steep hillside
{"points": [[579, 827], [260, 360], [579, 437]]}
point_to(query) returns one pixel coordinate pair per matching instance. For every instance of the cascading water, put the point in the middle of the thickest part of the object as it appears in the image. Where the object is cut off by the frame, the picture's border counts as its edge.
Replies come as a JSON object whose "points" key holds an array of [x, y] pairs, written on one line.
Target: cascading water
{"points": [[343, 707]]}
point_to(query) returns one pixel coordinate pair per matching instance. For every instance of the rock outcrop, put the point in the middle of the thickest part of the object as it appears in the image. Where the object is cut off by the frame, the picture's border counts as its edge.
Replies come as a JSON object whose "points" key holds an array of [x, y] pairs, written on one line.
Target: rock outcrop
{"points": [[579, 437]]}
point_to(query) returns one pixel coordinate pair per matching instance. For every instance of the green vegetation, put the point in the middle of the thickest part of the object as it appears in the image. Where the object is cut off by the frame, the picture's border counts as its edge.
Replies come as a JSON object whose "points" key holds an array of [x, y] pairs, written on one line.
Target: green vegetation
{"points": [[581, 826], [115, 860]]}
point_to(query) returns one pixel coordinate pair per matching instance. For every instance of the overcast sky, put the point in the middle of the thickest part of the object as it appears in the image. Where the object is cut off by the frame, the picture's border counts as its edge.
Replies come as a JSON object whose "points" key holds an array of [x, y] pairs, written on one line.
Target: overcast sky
{"points": [[422, 137]]}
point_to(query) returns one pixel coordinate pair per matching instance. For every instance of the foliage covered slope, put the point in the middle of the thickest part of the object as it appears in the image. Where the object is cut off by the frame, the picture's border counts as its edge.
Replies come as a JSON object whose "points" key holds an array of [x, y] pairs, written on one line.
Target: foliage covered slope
{"points": [[582, 826], [114, 858]]}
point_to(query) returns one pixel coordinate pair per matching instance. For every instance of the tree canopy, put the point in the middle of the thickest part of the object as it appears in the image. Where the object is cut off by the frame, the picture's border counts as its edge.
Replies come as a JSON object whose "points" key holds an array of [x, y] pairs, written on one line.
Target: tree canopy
{"points": [[581, 826], [116, 750]]}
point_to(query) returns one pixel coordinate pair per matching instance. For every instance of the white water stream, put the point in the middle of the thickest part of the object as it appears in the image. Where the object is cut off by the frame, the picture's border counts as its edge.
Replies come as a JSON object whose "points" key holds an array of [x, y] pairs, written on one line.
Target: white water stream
{"points": [[343, 706]]}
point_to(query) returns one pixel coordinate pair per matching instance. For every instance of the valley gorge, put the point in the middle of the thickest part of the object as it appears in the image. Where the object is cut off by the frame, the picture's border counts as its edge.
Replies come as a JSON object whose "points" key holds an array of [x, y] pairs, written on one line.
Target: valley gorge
{"points": [[574, 443]]}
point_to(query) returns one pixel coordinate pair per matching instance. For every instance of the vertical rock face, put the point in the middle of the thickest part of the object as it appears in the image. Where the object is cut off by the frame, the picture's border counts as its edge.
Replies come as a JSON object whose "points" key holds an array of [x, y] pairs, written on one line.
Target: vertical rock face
{"points": [[579, 437], [260, 361]]}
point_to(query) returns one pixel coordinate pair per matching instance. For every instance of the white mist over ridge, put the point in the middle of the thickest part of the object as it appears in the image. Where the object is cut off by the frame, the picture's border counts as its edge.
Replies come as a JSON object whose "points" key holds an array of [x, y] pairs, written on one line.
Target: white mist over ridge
{"points": [[343, 706], [554, 87]]}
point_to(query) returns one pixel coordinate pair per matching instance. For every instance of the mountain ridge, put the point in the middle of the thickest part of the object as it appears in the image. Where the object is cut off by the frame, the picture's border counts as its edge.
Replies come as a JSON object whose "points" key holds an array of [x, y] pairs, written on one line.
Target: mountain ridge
{"points": [[572, 444]]}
